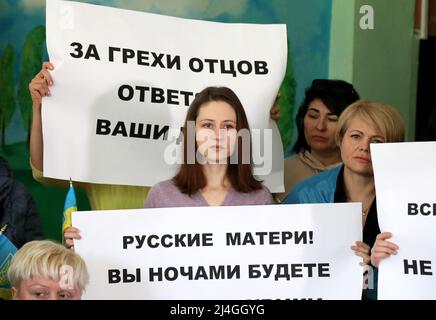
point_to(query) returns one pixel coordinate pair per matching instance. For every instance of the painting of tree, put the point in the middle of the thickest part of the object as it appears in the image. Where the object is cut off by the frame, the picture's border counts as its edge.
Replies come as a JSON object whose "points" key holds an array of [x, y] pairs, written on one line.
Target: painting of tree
{"points": [[31, 61], [7, 96], [287, 103]]}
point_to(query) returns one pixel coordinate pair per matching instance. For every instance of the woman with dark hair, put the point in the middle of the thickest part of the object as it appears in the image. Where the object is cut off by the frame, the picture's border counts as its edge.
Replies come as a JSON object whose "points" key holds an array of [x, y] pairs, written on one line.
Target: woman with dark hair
{"points": [[217, 166], [316, 121], [100, 196]]}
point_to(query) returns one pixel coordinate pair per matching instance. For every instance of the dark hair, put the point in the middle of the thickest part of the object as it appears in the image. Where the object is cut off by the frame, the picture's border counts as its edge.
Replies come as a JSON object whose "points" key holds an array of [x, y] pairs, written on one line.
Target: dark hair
{"points": [[190, 177], [335, 94]]}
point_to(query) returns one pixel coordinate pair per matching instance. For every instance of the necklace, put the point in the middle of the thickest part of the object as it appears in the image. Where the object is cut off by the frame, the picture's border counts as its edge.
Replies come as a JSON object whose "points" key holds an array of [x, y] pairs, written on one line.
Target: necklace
{"points": [[365, 211]]}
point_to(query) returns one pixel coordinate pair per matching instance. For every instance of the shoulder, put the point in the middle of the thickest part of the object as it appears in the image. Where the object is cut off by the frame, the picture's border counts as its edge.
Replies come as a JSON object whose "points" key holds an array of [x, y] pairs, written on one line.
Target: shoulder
{"points": [[292, 159], [318, 189], [166, 186], [295, 171], [264, 192], [161, 194], [320, 178], [18, 206], [17, 192]]}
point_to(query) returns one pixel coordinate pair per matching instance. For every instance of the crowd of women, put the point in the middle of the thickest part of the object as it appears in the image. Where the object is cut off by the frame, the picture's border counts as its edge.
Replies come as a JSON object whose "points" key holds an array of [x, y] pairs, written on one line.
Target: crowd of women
{"points": [[331, 163]]}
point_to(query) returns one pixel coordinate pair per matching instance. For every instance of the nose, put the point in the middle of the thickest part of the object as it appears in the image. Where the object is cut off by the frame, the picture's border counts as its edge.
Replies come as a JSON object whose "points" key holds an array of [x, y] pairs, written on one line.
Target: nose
{"points": [[220, 134], [321, 124], [364, 145], [216, 134], [53, 296]]}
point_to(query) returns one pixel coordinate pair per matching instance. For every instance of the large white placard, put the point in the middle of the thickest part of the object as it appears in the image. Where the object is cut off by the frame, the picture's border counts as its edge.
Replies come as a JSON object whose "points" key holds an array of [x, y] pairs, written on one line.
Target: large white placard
{"points": [[245, 252], [123, 81], [405, 180]]}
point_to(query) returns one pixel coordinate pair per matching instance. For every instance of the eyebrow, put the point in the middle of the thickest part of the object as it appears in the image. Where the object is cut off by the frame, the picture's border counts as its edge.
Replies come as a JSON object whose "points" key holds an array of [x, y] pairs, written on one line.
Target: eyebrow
{"points": [[316, 110], [214, 120], [361, 132], [38, 285], [72, 291]]}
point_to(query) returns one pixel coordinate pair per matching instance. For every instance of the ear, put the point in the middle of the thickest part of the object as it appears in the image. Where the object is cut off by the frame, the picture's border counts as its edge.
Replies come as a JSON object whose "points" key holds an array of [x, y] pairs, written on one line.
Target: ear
{"points": [[14, 292]]}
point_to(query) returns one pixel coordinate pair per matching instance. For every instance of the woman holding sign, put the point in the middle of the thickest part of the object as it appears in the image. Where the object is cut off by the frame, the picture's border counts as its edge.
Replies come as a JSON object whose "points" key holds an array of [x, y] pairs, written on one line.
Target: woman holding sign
{"points": [[359, 125], [217, 166], [100, 196]]}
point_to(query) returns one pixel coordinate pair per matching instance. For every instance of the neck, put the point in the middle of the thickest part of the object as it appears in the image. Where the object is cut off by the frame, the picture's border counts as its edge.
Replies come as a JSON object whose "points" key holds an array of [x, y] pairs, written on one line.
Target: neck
{"points": [[327, 158], [359, 188], [216, 176]]}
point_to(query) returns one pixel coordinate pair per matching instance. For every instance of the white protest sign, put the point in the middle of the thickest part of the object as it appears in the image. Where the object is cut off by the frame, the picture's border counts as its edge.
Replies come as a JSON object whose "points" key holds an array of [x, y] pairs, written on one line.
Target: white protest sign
{"points": [[405, 181], [244, 252], [124, 81]]}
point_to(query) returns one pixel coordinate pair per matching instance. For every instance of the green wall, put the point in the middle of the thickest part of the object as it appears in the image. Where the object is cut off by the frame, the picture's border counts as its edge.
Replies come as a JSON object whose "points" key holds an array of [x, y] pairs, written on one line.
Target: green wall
{"points": [[342, 40], [381, 63]]}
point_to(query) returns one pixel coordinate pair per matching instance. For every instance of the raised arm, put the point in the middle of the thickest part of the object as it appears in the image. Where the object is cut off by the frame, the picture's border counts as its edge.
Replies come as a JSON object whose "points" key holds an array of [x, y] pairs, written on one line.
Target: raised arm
{"points": [[39, 87]]}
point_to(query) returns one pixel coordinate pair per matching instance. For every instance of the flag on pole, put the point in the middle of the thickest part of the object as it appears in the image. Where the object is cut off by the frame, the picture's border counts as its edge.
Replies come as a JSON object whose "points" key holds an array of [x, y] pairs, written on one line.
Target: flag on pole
{"points": [[7, 251], [69, 207]]}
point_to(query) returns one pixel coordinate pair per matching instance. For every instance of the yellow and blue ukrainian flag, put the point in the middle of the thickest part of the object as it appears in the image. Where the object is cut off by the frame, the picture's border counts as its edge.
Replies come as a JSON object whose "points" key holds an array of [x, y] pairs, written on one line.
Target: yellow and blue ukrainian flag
{"points": [[7, 251], [69, 207]]}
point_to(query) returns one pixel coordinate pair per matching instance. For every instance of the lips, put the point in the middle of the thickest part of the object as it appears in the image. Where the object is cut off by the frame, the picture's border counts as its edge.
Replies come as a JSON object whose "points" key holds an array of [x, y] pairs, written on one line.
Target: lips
{"points": [[319, 138], [216, 148], [362, 159]]}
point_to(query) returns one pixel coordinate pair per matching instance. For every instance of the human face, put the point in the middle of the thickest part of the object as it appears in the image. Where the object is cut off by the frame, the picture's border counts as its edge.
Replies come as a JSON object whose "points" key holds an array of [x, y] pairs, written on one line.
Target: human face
{"points": [[39, 288], [320, 127], [215, 131], [355, 151]]}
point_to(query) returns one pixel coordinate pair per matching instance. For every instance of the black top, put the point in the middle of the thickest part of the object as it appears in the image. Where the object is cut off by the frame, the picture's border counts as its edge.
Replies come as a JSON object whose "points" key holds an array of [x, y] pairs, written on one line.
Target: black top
{"points": [[371, 228], [370, 232], [17, 209]]}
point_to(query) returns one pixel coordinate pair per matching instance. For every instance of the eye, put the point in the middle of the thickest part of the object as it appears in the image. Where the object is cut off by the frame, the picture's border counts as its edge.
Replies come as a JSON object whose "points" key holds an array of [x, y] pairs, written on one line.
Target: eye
{"points": [[355, 136], [39, 294], [229, 126], [313, 115], [207, 125], [332, 118], [377, 141], [65, 295]]}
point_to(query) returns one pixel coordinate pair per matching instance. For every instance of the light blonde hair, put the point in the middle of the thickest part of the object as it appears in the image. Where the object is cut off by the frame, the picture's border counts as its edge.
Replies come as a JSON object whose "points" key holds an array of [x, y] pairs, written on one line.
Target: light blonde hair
{"points": [[44, 258], [381, 116]]}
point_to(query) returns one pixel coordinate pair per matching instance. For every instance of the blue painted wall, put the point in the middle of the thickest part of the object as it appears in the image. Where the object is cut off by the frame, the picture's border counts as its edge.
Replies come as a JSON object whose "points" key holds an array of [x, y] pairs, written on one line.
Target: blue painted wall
{"points": [[308, 25]]}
